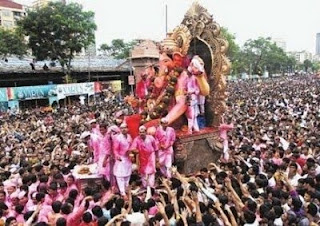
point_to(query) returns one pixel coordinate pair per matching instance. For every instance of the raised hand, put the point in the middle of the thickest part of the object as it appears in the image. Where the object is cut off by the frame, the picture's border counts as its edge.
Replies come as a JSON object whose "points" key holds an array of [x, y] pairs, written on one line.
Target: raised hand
{"points": [[162, 199], [217, 204], [227, 207], [228, 182], [194, 196], [161, 208], [128, 190], [173, 169], [184, 213]]}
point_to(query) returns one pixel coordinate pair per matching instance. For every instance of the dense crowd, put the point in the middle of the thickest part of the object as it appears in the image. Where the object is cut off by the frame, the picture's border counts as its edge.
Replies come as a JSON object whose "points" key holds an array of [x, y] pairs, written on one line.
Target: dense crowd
{"points": [[271, 175]]}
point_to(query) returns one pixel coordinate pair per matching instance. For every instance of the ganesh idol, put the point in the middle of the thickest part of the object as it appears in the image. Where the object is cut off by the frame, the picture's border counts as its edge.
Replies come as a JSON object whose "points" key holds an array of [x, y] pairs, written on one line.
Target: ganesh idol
{"points": [[180, 85]]}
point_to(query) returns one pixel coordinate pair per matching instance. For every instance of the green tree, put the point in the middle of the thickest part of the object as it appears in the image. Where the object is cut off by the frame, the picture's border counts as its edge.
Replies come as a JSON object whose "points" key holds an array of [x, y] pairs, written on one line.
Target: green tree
{"points": [[105, 49], [118, 48], [262, 54], [292, 64], [316, 67], [58, 31], [307, 64], [12, 42], [234, 52]]}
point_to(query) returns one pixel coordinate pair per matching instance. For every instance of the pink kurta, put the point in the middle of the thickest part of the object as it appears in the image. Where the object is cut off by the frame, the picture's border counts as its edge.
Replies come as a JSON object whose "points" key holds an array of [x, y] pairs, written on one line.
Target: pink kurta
{"points": [[166, 139], [71, 187], [147, 156], [48, 200], [105, 150], [95, 137], [224, 129], [44, 212], [123, 167]]}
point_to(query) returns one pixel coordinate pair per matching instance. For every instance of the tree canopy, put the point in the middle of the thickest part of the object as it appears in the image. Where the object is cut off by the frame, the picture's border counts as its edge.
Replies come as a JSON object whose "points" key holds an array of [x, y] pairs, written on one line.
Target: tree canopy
{"points": [[58, 31], [118, 48], [12, 42], [307, 64]]}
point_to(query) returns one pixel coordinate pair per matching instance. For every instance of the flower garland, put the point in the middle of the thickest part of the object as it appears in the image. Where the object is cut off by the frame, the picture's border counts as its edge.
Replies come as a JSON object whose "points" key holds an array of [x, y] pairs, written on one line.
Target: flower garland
{"points": [[157, 104]]}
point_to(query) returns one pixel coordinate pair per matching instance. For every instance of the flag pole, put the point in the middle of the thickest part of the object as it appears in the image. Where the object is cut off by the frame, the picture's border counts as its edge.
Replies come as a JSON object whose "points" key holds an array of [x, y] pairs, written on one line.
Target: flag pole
{"points": [[166, 19]]}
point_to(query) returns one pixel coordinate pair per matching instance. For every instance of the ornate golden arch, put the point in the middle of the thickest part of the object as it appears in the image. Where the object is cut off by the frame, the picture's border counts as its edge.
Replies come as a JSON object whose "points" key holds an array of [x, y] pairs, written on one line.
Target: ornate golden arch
{"points": [[203, 28]]}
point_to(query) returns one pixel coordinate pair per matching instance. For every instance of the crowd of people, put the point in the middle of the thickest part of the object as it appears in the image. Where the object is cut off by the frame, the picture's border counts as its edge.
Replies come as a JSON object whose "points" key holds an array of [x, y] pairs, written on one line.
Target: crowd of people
{"points": [[271, 175]]}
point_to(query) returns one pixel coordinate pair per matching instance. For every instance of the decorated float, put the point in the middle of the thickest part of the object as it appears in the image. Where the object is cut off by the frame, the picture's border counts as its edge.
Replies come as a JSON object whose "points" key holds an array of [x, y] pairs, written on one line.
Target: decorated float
{"points": [[188, 88]]}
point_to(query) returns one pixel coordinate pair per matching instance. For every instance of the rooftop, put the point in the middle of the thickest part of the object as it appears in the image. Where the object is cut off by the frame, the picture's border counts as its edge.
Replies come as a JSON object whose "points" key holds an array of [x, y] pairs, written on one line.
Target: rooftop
{"points": [[10, 4], [79, 64], [145, 49]]}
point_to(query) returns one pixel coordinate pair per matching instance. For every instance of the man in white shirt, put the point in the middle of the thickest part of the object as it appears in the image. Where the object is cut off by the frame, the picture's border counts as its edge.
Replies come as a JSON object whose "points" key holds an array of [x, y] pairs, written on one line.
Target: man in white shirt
{"points": [[293, 175], [278, 211], [136, 218]]}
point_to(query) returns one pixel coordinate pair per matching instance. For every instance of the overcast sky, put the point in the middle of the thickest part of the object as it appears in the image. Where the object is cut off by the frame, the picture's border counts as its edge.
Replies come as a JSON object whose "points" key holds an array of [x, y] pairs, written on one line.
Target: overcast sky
{"points": [[294, 21]]}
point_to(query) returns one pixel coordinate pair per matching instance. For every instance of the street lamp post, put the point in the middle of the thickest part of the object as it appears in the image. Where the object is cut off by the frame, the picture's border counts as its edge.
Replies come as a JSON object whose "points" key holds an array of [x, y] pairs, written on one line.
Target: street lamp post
{"points": [[131, 73], [89, 66]]}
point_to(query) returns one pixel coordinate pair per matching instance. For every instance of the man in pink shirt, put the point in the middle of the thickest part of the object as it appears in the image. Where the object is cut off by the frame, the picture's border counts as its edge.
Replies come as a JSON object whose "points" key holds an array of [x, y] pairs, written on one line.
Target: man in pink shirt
{"points": [[105, 155], [35, 183], [95, 137], [122, 168], [71, 184], [32, 202], [45, 209], [63, 189], [166, 136], [73, 216], [53, 194], [224, 129], [146, 147]]}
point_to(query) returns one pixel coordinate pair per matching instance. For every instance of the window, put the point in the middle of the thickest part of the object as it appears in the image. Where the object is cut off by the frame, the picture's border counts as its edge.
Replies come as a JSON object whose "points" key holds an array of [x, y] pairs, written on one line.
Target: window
{"points": [[6, 13], [16, 14]]}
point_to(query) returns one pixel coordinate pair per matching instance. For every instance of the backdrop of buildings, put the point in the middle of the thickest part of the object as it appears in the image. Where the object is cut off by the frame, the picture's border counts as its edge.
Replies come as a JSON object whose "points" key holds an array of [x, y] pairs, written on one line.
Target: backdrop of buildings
{"points": [[11, 11]]}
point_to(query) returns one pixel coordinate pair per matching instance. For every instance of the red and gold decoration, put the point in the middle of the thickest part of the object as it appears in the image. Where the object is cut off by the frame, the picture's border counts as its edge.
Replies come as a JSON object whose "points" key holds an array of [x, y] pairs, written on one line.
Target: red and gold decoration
{"points": [[199, 35]]}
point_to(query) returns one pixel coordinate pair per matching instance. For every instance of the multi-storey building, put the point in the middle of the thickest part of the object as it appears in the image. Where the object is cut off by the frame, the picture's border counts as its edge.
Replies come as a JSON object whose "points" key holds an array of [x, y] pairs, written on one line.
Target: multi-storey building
{"points": [[10, 13]]}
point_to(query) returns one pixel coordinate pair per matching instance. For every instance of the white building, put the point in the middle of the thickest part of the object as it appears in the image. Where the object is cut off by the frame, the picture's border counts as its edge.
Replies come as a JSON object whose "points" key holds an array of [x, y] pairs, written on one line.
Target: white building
{"points": [[316, 58], [301, 56], [10, 13]]}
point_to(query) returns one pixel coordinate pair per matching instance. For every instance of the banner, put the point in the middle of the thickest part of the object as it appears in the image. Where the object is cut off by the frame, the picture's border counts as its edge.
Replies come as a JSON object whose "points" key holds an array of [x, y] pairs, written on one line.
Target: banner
{"points": [[13, 104], [131, 80], [75, 89], [3, 94], [4, 106], [97, 87], [52, 100], [31, 92], [114, 86]]}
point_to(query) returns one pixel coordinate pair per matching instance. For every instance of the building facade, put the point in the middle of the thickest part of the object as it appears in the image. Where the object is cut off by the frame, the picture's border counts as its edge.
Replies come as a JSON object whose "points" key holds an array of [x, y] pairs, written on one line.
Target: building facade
{"points": [[10, 13], [144, 54], [301, 56]]}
